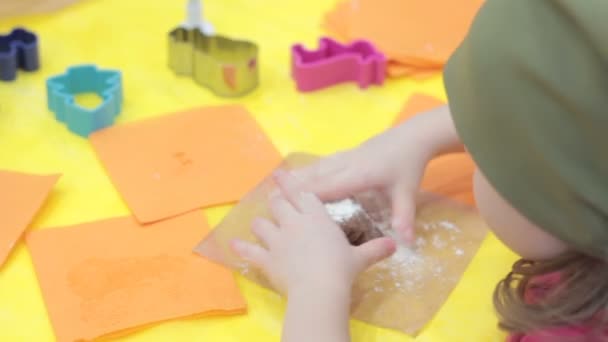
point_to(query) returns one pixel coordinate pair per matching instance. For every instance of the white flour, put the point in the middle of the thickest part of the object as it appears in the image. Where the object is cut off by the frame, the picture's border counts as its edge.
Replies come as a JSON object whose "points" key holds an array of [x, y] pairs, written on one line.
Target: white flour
{"points": [[343, 210], [438, 242], [407, 269], [449, 226]]}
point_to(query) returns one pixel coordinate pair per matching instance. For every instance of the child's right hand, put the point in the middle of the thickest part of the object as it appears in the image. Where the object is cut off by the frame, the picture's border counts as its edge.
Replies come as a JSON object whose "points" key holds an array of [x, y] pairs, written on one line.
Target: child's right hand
{"points": [[393, 162], [305, 248]]}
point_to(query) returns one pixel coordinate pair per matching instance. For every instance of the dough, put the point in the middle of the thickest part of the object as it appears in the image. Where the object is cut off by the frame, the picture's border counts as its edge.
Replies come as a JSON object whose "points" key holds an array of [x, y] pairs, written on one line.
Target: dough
{"points": [[354, 221]]}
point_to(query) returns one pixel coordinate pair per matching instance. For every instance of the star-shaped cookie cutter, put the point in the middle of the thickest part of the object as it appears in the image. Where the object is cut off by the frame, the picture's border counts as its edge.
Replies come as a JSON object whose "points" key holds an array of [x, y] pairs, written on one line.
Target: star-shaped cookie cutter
{"points": [[227, 67], [18, 50], [334, 63], [61, 90]]}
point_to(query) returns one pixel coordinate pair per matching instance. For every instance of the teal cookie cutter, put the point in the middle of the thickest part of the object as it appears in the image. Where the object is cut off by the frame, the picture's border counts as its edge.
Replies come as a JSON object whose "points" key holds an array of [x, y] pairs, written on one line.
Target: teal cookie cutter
{"points": [[78, 79]]}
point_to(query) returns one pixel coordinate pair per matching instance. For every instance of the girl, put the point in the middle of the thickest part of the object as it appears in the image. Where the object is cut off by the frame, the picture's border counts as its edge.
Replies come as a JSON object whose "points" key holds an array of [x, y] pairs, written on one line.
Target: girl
{"points": [[528, 94]]}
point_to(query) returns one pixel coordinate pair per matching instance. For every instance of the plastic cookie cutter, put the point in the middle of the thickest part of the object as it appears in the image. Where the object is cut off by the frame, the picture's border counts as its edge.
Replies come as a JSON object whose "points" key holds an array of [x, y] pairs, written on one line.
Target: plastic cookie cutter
{"points": [[18, 49], [61, 90], [334, 63], [227, 67]]}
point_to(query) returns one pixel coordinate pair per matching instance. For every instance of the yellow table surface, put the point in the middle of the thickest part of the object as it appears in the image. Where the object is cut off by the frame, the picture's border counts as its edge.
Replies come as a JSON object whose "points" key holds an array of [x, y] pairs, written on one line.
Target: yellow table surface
{"points": [[132, 36]]}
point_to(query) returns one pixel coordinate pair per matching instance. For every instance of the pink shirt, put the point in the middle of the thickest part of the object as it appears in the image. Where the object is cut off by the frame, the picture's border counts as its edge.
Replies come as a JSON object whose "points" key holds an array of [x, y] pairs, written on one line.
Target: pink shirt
{"points": [[538, 289]]}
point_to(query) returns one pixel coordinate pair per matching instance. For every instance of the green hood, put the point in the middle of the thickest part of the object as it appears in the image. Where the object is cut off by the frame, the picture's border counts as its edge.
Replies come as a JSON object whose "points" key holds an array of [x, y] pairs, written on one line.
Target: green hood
{"points": [[528, 90]]}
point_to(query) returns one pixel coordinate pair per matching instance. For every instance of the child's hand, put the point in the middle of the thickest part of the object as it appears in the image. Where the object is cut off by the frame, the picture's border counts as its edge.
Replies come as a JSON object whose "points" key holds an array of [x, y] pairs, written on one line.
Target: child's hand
{"points": [[384, 163], [393, 161], [305, 250]]}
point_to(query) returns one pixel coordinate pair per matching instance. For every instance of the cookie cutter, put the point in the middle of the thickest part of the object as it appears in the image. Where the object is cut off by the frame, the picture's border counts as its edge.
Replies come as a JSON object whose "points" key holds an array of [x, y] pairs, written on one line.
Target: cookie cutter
{"points": [[333, 63], [227, 67], [18, 50], [195, 17], [62, 88]]}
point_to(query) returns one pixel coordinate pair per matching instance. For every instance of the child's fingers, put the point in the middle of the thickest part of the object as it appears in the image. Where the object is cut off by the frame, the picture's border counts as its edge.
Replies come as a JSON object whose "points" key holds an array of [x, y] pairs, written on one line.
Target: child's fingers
{"points": [[282, 211], [265, 231], [330, 178], [311, 204], [253, 253], [404, 212], [289, 187], [305, 202], [372, 252]]}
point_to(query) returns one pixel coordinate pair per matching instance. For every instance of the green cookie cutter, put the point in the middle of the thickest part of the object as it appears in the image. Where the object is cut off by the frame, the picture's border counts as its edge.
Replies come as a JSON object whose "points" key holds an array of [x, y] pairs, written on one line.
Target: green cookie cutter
{"points": [[227, 67]]}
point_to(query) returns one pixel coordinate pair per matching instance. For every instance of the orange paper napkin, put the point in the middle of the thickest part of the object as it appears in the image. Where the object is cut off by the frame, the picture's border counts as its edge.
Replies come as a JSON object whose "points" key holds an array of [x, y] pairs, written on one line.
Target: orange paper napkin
{"points": [[187, 160], [413, 34], [21, 196], [106, 277], [450, 175]]}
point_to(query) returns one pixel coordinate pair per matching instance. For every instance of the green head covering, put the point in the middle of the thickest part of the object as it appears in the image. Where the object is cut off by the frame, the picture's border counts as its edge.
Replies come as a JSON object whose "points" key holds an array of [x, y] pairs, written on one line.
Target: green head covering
{"points": [[528, 91]]}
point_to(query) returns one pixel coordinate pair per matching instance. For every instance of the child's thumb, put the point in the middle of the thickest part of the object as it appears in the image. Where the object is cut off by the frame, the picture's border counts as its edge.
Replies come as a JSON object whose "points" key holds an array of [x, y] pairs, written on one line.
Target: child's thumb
{"points": [[373, 251]]}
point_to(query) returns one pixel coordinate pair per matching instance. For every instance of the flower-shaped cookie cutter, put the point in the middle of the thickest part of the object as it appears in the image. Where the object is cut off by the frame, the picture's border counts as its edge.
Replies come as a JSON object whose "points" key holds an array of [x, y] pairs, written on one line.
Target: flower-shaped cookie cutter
{"points": [[334, 63], [61, 90], [18, 50], [227, 67]]}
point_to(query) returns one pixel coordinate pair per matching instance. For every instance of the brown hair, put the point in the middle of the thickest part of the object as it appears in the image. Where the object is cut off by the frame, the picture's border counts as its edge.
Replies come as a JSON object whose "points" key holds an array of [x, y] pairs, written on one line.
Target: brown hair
{"points": [[580, 296]]}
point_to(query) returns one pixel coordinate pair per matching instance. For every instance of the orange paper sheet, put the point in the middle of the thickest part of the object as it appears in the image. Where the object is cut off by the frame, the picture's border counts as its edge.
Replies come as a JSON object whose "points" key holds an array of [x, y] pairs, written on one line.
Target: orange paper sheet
{"points": [[21, 196], [337, 20], [103, 278], [429, 30], [180, 162], [450, 175]]}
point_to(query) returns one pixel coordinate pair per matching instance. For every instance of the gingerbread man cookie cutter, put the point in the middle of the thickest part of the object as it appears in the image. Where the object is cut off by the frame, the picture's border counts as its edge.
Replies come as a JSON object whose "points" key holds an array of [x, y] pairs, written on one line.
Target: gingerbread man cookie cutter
{"points": [[333, 63]]}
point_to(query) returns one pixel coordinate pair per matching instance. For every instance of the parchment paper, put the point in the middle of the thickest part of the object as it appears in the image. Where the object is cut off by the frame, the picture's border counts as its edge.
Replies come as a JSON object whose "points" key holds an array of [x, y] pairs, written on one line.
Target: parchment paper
{"points": [[403, 292]]}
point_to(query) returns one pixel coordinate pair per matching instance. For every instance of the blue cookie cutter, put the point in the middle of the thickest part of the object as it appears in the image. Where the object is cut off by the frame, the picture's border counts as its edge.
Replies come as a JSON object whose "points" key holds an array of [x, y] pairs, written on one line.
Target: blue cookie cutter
{"points": [[85, 79], [18, 49]]}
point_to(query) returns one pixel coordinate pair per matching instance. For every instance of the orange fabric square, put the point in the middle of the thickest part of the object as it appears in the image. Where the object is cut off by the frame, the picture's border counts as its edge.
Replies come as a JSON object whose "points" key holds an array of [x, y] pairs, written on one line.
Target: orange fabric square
{"points": [[337, 20], [21, 196], [450, 175], [177, 163], [429, 29], [396, 69], [106, 277]]}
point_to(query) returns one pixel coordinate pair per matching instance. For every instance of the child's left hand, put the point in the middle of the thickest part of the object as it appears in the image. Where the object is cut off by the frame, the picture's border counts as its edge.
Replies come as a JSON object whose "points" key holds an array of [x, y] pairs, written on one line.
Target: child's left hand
{"points": [[305, 250]]}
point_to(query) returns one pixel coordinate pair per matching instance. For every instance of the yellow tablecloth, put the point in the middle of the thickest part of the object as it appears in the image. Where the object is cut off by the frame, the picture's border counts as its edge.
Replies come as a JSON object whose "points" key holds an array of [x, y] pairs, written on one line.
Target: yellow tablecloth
{"points": [[132, 36]]}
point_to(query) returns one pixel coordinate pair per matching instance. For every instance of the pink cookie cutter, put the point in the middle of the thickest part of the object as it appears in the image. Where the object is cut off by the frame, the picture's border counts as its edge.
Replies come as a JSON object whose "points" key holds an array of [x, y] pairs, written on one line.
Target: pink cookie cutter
{"points": [[334, 63]]}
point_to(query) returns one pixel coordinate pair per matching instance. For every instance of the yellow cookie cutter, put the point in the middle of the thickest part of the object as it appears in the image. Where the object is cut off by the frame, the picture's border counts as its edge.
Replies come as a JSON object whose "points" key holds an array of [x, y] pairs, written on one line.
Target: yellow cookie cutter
{"points": [[227, 67]]}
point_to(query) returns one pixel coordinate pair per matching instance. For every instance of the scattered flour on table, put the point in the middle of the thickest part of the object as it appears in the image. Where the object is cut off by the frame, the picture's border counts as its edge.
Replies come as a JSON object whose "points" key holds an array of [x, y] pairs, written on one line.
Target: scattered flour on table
{"points": [[243, 267], [438, 242], [449, 226], [408, 269]]}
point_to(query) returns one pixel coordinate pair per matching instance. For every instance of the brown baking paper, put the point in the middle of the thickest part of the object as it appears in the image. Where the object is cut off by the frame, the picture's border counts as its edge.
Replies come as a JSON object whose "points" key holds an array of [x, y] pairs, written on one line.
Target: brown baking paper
{"points": [[402, 292]]}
